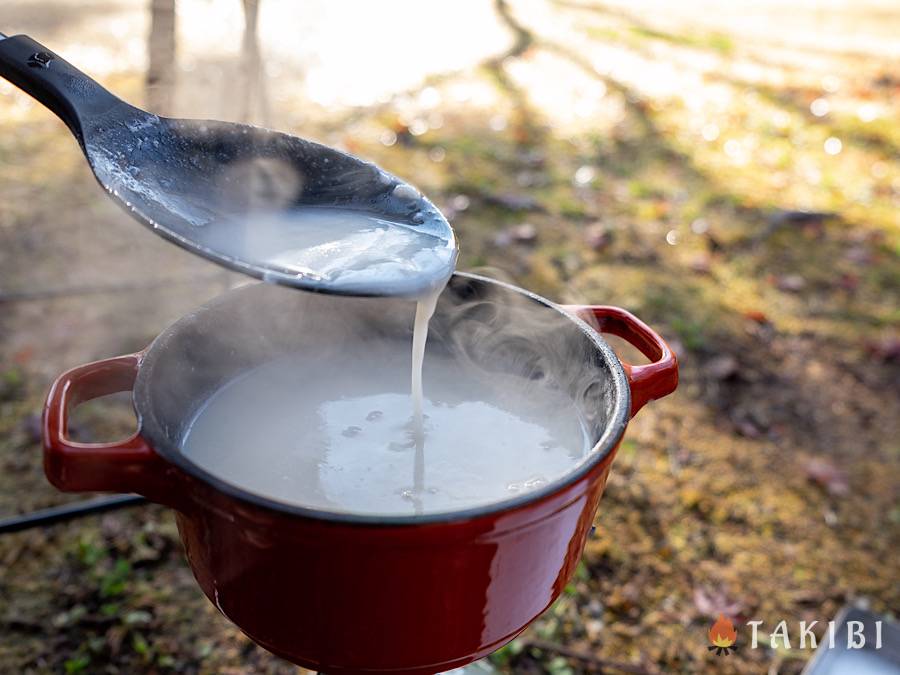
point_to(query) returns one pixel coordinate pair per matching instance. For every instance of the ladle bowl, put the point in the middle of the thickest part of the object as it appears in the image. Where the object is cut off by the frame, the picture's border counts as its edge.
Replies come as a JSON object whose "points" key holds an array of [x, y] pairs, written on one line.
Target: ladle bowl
{"points": [[345, 593], [207, 185]]}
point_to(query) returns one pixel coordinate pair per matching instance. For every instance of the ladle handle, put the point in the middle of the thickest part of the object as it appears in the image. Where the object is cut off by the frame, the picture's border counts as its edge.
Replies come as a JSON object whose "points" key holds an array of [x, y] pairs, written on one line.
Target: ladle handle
{"points": [[76, 99], [130, 465], [650, 381]]}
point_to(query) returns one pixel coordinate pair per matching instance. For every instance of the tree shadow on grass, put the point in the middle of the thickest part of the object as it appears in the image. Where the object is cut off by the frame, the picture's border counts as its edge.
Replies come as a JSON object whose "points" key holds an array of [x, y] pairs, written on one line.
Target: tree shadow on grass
{"points": [[694, 306], [794, 99]]}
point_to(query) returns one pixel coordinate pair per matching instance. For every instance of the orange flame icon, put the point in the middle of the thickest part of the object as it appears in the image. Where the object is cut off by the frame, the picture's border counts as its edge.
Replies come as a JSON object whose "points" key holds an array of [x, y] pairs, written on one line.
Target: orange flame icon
{"points": [[722, 636]]}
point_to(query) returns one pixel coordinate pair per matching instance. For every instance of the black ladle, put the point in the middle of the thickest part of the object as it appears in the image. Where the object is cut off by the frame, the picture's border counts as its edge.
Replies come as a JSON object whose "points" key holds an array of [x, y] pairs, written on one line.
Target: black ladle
{"points": [[205, 185]]}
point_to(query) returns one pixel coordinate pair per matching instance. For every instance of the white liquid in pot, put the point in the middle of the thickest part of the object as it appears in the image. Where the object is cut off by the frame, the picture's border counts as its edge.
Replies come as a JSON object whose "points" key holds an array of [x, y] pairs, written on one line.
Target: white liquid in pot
{"points": [[346, 435], [339, 436]]}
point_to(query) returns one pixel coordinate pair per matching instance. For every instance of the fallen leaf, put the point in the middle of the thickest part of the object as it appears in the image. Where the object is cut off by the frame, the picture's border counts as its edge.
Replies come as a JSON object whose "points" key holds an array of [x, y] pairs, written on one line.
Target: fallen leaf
{"points": [[33, 426], [746, 427], [827, 474], [514, 202], [503, 239], [721, 367], [524, 233], [715, 602], [791, 283], [597, 237], [701, 264], [858, 255], [849, 282], [886, 349], [756, 315], [24, 355], [800, 217], [678, 347]]}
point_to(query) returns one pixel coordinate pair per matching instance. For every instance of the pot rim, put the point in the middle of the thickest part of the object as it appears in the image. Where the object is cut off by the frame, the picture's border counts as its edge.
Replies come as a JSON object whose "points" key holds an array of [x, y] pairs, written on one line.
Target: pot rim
{"points": [[608, 440]]}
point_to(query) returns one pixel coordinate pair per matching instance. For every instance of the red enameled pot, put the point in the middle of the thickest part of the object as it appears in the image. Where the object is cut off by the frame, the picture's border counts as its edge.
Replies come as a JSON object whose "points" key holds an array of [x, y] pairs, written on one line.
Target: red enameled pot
{"points": [[347, 593]]}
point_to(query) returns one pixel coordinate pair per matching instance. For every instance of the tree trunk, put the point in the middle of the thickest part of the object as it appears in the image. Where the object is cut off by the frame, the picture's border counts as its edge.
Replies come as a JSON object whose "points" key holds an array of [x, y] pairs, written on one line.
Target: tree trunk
{"points": [[254, 97], [162, 52]]}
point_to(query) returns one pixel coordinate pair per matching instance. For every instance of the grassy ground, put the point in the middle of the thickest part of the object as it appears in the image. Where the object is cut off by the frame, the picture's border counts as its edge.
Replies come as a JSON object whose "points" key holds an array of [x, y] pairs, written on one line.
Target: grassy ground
{"points": [[735, 181]]}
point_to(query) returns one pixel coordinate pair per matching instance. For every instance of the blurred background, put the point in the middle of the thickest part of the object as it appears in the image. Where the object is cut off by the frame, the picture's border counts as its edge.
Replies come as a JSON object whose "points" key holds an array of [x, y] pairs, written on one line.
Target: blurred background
{"points": [[728, 171]]}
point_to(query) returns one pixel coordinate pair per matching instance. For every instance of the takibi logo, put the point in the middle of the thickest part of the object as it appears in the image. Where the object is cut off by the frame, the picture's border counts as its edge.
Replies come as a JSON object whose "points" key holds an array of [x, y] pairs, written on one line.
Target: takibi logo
{"points": [[722, 636]]}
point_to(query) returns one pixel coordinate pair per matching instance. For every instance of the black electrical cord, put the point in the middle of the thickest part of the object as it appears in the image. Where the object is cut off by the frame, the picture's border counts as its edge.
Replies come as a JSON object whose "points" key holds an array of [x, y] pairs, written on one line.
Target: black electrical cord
{"points": [[58, 514]]}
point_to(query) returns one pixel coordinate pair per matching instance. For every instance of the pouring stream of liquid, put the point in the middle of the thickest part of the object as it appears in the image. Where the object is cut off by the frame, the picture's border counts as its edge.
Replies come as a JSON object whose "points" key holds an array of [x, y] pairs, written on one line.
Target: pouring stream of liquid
{"points": [[425, 307]]}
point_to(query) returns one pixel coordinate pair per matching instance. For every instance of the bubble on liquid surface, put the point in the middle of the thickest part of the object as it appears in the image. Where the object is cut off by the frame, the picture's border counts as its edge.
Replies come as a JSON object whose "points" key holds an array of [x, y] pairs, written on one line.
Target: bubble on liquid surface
{"points": [[528, 484], [374, 416], [351, 431], [396, 446]]}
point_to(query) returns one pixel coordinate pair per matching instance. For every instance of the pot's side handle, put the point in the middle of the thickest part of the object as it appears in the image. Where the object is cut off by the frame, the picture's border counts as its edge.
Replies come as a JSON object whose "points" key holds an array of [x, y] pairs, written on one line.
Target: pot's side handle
{"points": [[650, 381], [129, 465]]}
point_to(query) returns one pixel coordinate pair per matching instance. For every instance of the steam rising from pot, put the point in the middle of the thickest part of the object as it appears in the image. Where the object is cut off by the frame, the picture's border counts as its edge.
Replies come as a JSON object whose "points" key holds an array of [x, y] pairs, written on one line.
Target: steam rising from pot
{"points": [[513, 338], [505, 346]]}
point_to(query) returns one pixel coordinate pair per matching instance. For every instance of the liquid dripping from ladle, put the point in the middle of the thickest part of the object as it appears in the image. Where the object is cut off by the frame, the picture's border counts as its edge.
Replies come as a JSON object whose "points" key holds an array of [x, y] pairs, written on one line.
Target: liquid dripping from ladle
{"points": [[425, 306]]}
